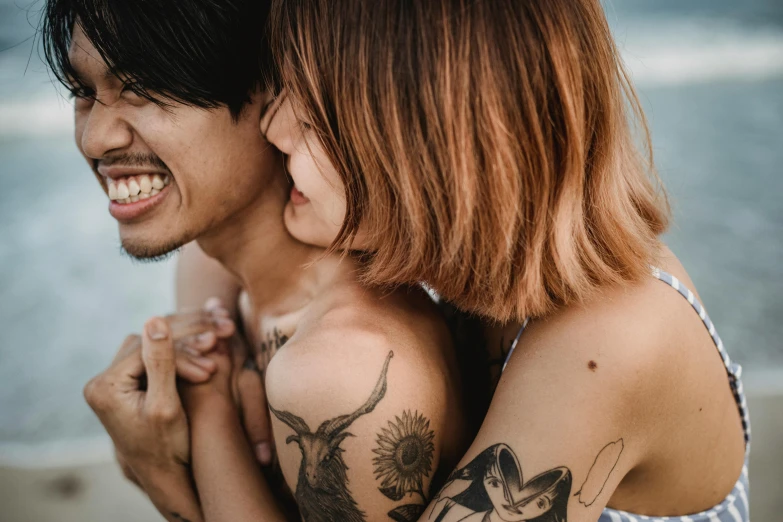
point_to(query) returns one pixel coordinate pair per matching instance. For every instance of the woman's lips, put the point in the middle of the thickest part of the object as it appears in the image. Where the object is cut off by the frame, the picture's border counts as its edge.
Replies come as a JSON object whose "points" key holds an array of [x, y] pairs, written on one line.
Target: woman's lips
{"points": [[297, 198]]}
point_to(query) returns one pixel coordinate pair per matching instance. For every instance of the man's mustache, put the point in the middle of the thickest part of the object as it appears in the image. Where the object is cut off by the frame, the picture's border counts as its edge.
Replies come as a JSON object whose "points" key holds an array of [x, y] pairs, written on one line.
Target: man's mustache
{"points": [[133, 160]]}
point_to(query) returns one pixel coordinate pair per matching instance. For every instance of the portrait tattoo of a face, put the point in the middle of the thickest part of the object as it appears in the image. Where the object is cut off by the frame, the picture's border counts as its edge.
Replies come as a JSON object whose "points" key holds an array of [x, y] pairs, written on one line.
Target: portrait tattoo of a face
{"points": [[322, 492], [491, 488]]}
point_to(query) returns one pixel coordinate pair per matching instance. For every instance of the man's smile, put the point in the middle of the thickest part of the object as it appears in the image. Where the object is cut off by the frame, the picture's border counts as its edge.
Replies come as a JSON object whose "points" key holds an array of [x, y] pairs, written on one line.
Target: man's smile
{"points": [[130, 189]]}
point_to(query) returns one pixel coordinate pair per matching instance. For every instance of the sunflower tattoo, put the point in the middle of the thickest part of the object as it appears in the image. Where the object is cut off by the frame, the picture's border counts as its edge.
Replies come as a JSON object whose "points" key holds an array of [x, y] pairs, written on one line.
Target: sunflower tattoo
{"points": [[405, 451]]}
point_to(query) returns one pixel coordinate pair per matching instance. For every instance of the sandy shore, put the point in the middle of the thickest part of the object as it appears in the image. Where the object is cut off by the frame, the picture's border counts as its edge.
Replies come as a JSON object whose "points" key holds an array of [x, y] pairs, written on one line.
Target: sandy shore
{"points": [[84, 484]]}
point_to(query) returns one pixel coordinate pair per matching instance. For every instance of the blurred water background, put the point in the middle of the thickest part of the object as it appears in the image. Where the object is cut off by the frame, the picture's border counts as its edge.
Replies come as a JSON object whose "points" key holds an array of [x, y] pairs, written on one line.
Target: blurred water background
{"points": [[709, 72]]}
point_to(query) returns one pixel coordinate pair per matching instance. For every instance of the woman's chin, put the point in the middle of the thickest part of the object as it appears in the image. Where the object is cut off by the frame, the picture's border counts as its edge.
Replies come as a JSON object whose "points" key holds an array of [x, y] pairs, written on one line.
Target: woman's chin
{"points": [[306, 228]]}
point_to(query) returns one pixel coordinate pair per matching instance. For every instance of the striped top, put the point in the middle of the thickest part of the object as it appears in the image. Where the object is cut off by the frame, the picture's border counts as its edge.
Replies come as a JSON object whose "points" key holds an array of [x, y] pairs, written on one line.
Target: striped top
{"points": [[734, 507]]}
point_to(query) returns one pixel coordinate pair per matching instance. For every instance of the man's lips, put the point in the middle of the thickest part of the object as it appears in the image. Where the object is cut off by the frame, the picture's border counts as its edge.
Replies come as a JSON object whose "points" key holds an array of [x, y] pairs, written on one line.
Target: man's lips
{"points": [[124, 212]]}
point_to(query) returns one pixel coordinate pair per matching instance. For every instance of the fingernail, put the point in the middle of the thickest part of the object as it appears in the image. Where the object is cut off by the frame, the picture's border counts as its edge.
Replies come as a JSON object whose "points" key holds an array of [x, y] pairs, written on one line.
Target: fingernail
{"points": [[213, 303], [264, 453], [205, 338], [157, 329], [204, 362], [222, 322]]}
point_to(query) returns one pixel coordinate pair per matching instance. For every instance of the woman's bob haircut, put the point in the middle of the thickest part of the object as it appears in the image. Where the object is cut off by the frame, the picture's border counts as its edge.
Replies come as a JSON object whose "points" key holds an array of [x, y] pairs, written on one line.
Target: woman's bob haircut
{"points": [[487, 147]]}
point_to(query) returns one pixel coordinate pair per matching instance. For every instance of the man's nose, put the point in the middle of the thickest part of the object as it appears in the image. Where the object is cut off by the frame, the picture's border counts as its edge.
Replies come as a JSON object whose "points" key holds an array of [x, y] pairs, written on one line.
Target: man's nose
{"points": [[104, 131]]}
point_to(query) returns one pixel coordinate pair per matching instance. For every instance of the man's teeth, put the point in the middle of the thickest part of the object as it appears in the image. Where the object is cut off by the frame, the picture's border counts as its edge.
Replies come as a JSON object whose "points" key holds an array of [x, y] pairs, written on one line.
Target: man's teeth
{"points": [[133, 188]]}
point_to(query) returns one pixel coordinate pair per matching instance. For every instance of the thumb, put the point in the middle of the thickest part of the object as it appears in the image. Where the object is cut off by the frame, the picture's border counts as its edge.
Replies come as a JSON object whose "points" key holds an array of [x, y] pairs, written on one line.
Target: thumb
{"points": [[159, 357]]}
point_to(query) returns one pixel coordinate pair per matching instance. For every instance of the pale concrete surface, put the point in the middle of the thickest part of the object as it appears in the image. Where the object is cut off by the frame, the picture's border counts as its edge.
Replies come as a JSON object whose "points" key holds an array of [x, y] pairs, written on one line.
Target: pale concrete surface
{"points": [[766, 457], [90, 493]]}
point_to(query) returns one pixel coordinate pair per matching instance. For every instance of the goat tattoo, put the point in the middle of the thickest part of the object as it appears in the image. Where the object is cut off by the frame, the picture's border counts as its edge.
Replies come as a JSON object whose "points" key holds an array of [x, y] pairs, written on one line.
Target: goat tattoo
{"points": [[322, 486]]}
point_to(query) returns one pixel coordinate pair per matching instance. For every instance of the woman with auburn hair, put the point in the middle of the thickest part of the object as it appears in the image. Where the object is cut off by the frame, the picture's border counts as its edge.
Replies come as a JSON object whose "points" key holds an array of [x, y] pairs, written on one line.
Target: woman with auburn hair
{"points": [[487, 149]]}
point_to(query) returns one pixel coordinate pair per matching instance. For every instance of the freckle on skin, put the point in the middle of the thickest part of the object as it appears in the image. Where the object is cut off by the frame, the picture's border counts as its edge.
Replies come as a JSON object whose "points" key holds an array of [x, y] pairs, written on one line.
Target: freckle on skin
{"points": [[592, 365]]}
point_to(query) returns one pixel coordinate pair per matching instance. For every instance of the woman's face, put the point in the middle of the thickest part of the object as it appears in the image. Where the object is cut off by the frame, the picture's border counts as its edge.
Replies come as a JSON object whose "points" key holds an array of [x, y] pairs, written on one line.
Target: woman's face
{"points": [[316, 208], [506, 510]]}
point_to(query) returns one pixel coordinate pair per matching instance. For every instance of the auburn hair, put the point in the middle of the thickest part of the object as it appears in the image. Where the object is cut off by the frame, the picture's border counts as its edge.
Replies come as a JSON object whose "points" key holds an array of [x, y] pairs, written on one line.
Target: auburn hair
{"points": [[487, 147]]}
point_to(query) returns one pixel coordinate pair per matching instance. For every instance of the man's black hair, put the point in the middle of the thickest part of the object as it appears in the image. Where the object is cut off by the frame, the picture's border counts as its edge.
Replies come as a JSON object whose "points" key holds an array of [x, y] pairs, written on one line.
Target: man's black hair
{"points": [[205, 53]]}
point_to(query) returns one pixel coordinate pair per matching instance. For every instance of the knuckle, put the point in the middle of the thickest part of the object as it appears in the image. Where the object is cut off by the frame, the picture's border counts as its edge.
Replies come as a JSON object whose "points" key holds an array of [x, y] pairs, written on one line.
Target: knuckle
{"points": [[163, 413], [93, 392]]}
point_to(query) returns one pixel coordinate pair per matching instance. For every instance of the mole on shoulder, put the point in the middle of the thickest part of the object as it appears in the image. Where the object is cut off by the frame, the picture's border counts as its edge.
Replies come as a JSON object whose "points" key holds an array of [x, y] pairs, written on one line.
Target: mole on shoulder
{"points": [[592, 365]]}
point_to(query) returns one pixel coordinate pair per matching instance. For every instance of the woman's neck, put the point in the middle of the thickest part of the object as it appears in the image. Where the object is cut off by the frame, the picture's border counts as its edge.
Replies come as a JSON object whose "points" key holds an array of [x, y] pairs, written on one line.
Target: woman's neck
{"points": [[279, 274]]}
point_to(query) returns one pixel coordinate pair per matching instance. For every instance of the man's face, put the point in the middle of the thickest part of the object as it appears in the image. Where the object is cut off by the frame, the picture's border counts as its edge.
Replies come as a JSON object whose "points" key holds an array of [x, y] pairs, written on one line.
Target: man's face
{"points": [[172, 174]]}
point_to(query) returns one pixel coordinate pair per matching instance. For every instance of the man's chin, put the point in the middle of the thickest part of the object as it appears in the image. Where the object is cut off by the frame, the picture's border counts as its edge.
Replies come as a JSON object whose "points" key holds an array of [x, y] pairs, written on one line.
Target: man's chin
{"points": [[149, 252]]}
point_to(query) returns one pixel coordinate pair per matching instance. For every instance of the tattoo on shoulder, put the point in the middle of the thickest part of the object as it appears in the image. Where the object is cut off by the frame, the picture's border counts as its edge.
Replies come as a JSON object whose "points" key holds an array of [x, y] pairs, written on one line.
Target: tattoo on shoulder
{"points": [[273, 342], [405, 450], [322, 485], [492, 487]]}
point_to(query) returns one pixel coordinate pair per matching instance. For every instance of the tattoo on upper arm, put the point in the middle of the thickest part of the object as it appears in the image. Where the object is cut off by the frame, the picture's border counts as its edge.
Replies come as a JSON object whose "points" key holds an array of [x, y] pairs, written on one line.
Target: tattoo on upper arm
{"points": [[322, 485], [602, 467], [491, 487], [405, 450]]}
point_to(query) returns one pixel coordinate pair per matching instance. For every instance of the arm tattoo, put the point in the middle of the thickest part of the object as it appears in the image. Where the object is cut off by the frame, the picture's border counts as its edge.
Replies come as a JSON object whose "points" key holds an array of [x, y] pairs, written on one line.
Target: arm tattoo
{"points": [[493, 484], [602, 467], [179, 518], [322, 485], [405, 451]]}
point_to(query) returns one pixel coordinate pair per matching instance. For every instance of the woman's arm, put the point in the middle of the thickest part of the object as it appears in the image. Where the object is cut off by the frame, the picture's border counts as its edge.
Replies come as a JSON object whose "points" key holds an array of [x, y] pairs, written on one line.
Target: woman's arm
{"points": [[229, 481], [569, 419], [359, 431]]}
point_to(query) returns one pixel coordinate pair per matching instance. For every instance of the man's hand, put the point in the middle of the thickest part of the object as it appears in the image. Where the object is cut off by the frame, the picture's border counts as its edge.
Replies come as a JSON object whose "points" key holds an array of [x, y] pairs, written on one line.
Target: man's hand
{"points": [[136, 398]]}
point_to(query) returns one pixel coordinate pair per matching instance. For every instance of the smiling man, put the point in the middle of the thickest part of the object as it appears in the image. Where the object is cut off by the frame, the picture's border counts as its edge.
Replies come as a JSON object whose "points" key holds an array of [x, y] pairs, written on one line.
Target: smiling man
{"points": [[167, 110]]}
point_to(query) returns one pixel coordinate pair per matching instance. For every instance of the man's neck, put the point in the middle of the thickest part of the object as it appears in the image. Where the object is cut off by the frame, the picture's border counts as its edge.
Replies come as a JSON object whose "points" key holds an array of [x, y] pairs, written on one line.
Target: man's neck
{"points": [[270, 264]]}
